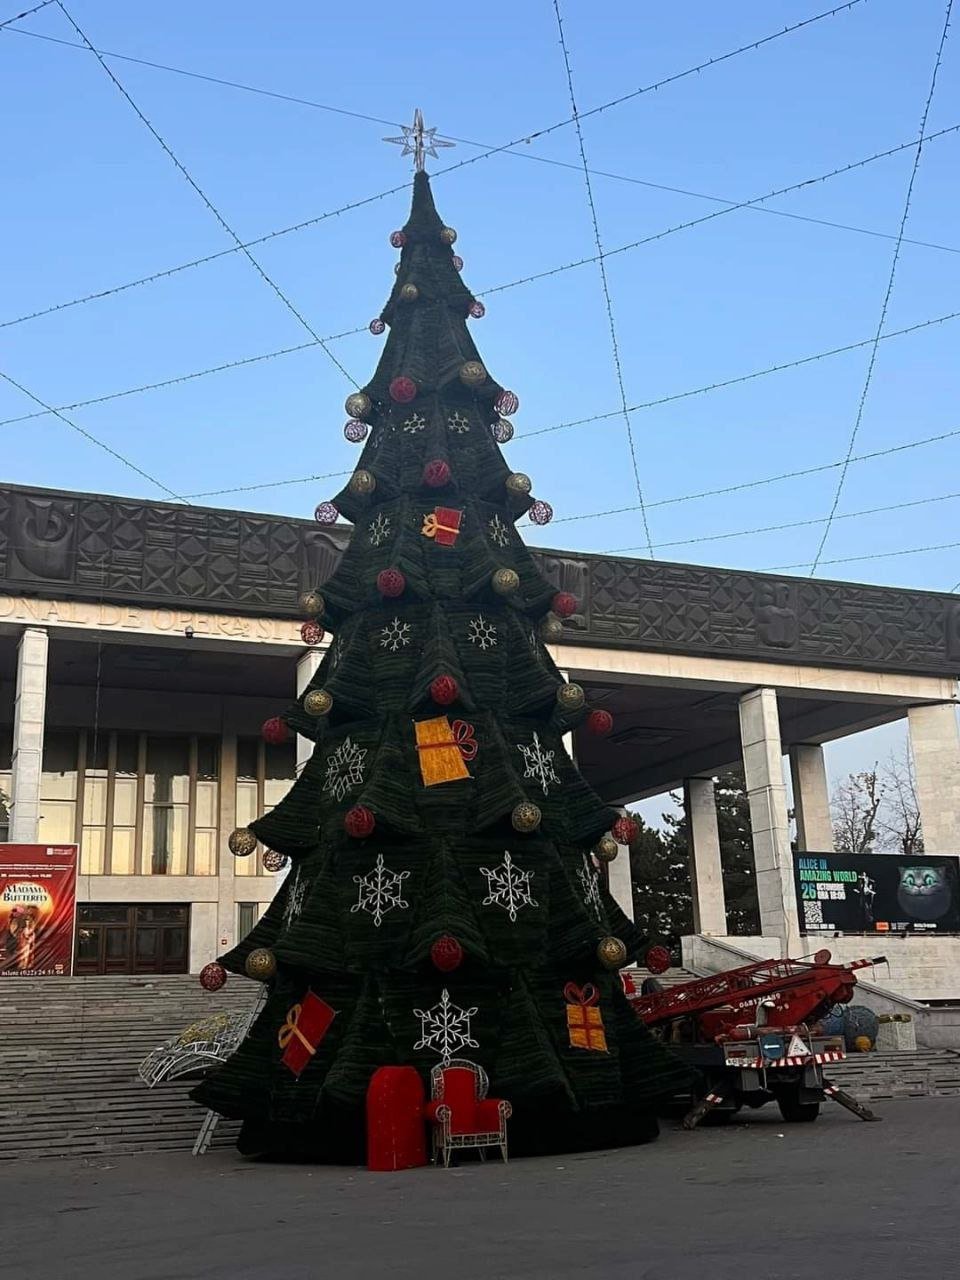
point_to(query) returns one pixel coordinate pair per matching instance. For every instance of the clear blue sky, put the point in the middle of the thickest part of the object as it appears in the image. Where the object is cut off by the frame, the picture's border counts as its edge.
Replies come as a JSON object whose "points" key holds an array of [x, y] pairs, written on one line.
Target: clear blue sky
{"points": [[91, 202]]}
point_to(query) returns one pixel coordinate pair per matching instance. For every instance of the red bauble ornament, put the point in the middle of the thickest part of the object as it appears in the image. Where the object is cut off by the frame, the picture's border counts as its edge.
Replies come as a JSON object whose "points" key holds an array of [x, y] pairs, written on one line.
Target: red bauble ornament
{"points": [[625, 830], [391, 583], [477, 309], [436, 474], [274, 731], [312, 633], [564, 605], [446, 953], [444, 690], [359, 822], [600, 722], [507, 402], [403, 390], [657, 959], [212, 976], [540, 512], [398, 239], [325, 513], [377, 327]]}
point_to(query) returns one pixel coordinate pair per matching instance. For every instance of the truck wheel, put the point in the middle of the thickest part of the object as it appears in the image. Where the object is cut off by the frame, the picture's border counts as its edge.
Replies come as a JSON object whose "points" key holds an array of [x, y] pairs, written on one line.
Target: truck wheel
{"points": [[796, 1112]]}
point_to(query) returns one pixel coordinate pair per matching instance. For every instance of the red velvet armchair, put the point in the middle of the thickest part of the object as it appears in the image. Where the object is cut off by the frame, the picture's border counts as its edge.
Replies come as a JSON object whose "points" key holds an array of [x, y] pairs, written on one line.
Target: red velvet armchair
{"points": [[460, 1113]]}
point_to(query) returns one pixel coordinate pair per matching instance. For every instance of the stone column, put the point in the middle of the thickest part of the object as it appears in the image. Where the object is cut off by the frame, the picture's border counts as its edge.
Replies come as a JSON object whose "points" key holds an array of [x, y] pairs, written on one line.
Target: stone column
{"points": [[767, 793], [935, 743], [226, 866], [307, 666], [706, 872], [811, 798], [620, 881], [28, 717]]}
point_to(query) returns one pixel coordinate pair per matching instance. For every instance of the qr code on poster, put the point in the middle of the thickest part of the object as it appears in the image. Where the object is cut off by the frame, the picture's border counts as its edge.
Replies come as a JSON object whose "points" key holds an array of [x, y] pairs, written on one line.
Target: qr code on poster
{"points": [[812, 913]]}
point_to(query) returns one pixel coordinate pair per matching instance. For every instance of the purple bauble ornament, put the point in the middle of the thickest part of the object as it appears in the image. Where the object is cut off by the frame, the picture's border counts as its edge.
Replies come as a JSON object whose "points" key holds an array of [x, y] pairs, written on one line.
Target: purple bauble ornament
{"points": [[355, 431], [326, 512], [540, 512]]}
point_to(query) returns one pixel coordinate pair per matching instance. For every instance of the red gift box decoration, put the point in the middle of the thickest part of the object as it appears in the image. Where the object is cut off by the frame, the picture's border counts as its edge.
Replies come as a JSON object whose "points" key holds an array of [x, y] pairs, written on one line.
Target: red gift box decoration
{"points": [[307, 1023], [443, 525]]}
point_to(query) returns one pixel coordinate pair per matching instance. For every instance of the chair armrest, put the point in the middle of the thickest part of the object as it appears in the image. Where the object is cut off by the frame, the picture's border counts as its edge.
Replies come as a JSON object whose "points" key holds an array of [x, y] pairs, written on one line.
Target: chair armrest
{"points": [[437, 1112]]}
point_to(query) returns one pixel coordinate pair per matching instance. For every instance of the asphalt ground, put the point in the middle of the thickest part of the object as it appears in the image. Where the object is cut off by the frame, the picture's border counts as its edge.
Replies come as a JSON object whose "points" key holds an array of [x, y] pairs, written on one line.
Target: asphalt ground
{"points": [[834, 1200]]}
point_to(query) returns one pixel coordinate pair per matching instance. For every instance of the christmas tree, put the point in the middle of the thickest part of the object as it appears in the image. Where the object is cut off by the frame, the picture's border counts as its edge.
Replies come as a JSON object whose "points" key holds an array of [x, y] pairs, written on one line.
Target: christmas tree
{"points": [[444, 898]]}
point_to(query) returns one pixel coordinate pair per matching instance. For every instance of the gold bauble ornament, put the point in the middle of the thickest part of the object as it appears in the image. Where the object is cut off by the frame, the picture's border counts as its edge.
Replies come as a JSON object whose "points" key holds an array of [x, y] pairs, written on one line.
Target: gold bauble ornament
{"points": [[472, 374], [358, 405], [362, 482], [317, 702], [448, 235], [611, 953], [409, 292], [525, 817], [606, 849], [261, 964], [505, 581], [570, 697], [312, 604], [551, 629], [517, 484], [241, 842]]}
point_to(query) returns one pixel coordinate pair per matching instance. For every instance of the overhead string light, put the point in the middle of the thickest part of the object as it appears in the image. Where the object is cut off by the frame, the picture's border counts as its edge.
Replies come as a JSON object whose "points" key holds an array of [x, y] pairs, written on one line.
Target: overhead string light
{"points": [[524, 138]]}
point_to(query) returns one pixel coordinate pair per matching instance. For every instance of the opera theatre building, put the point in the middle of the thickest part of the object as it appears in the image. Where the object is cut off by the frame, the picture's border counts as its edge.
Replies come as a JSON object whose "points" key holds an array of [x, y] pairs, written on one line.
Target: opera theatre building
{"points": [[143, 645]]}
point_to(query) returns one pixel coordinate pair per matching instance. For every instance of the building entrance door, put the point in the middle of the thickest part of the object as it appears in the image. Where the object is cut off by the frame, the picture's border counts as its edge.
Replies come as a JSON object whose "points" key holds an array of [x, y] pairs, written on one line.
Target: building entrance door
{"points": [[117, 938]]}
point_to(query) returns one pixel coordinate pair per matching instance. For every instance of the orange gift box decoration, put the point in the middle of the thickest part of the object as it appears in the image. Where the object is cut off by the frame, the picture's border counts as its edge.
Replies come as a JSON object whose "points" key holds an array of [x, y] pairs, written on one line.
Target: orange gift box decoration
{"points": [[443, 525], [307, 1023], [584, 1020], [443, 747]]}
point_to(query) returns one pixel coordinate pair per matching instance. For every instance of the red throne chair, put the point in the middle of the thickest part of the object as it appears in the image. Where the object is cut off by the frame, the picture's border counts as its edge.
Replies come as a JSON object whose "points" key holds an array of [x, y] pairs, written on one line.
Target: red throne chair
{"points": [[460, 1113]]}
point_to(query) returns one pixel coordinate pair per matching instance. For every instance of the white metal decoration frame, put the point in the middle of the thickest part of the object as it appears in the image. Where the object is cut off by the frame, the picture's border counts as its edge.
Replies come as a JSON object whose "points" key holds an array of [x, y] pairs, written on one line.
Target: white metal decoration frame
{"points": [[444, 1142]]}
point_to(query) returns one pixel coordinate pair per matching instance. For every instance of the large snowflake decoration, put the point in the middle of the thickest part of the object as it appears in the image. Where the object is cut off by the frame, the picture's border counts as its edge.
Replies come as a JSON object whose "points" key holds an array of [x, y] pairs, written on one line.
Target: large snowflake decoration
{"points": [[482, 632], [344, 769], [380, 891], [498, 531], [445, 1028], [295, 897], [379, 530], [508, 887], [589, 879], [538, 763], [458, 422], [416, 422], [395, 635]]}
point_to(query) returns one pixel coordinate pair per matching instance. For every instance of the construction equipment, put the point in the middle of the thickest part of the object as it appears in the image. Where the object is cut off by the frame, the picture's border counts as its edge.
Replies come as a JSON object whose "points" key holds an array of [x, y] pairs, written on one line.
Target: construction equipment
{"points": [[752, 1035]]}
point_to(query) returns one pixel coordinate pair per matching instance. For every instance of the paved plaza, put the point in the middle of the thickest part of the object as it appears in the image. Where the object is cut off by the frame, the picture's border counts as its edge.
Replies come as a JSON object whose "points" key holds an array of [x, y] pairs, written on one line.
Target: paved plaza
{"points": [[836, 1198]]}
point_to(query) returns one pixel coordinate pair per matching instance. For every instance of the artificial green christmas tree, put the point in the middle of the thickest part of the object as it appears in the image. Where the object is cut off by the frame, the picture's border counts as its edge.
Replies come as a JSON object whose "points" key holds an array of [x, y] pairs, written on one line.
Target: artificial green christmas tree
{"points": [[443, 899]]}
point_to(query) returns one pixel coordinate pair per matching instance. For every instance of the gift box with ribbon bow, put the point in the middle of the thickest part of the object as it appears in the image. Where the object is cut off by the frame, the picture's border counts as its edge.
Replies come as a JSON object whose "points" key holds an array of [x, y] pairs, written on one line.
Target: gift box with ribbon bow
{"points": [[584, 1020], [306, 1024], [443, 525], [443, 747]]}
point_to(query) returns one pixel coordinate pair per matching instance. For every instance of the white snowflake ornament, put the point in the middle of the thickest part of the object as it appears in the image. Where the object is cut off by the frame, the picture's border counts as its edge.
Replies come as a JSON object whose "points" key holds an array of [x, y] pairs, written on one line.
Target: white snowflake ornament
{"points": [[395, 635], [459, 423], [380, 891], [379, 530], [538, 763], [482, 632], [499, 532], [445, 1028], [344, 769], [589, 879], [508, 887], [416, 422]]}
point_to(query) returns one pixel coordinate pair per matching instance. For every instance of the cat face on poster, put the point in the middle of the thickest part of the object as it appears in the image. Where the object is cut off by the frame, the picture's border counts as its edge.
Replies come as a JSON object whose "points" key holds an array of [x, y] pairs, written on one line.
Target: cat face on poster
{"points": [[924, 892]]}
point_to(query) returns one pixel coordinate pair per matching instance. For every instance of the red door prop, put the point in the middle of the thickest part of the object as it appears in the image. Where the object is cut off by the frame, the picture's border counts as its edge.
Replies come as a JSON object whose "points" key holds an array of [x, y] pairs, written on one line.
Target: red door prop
{"points": [[38, 898], [395, 1133]]}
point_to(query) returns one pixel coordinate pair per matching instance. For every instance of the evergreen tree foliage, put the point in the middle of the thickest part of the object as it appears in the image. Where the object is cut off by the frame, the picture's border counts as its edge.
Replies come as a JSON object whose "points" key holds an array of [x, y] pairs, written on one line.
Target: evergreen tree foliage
{"points": [[413, 820]]}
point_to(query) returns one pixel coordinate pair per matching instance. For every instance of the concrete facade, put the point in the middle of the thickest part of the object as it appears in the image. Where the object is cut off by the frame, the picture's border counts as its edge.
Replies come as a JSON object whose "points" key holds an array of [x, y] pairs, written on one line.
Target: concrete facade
{"points": [[935, 744], [29, 718]]}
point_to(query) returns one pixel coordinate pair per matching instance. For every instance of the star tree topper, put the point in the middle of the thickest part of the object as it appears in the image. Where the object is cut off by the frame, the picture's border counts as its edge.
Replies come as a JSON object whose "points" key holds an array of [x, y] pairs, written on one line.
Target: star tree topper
{"points": [[419, 141]]}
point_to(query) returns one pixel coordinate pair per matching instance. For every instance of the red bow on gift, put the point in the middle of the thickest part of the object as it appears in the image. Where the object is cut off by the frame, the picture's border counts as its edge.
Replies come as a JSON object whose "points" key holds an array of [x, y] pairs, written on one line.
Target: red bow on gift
{"points": [[584, 996], [463, 739]]}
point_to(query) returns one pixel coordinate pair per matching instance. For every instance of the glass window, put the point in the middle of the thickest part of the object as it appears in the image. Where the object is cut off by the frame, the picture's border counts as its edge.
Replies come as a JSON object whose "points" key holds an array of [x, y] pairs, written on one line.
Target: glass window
{"points": [[93, 844], [247, 759], [58, 779], [279, 771], [56, 825], [162, 915], [168, 771], [165, 840], [123, 851], [247, 913], [97, 914]]}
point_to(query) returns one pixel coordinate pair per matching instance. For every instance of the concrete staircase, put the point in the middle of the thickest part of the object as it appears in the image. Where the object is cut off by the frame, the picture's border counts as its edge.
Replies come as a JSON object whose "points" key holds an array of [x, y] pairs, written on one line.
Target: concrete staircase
{"points": [[922, 1073], [672, 978], [69, 1053]]}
